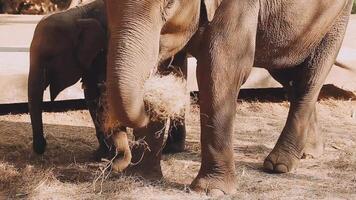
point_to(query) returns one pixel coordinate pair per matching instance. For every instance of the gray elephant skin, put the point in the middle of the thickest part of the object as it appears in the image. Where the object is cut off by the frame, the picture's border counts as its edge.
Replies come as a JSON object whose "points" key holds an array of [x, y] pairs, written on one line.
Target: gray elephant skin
{"points": [[296, 41]]}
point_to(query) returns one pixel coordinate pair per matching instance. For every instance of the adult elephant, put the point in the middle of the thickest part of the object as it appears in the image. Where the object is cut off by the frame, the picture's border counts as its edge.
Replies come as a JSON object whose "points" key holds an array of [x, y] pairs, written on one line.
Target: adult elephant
{"points": [[69, 46], [297, 41]]}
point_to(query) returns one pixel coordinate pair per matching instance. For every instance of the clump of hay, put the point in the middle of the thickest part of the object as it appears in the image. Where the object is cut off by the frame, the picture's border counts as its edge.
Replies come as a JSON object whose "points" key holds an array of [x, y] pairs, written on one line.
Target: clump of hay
{"points": [[165, 97]]}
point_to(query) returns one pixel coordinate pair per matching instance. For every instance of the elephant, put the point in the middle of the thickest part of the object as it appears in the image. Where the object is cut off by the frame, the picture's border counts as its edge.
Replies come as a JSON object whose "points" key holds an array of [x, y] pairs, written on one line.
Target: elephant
{"points": [[66, 47], [296, 41], [69, 46]]}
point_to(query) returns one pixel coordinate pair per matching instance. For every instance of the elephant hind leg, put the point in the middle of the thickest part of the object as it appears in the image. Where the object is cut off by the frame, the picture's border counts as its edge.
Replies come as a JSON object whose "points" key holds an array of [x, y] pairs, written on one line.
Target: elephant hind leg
{"points": [[175, 142], [305, 84], [314, 146], [289, 148], [315, 142]]}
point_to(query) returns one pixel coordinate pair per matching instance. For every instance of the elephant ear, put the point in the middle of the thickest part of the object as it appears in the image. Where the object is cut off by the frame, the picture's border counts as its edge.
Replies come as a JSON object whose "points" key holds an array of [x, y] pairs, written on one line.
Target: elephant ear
{"points": [[62, 78], [92, 40], [210, 8]]}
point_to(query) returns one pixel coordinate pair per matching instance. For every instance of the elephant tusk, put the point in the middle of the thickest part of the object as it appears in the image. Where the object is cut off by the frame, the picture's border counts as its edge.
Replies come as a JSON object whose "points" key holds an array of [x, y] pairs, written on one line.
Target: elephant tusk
{"points": [[122, 145]]}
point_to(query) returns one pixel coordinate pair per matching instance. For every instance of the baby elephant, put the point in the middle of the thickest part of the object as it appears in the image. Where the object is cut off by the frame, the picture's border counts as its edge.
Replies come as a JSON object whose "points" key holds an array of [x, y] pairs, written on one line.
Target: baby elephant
{"points": [[66, 47]]}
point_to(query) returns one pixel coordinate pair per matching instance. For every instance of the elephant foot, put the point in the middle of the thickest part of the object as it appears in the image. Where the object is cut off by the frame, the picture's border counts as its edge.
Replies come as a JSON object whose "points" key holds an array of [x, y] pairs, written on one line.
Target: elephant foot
{"points": [[313, 149], [171, 148], [39, 145], [146, 153], [103, 152], [281, 161], [146, 172], [214, 185]]}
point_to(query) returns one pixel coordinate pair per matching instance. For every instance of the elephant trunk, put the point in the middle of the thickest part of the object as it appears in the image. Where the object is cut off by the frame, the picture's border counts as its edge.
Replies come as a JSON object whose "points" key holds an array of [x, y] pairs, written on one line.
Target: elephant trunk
{"points": [[133, 53], [122, 145]]}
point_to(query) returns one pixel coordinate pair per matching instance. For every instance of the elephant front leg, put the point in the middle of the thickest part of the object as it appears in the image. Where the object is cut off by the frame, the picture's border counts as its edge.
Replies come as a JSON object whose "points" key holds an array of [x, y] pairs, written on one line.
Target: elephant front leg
{"points": [[92, 98], [226, 61], [147, 151]]}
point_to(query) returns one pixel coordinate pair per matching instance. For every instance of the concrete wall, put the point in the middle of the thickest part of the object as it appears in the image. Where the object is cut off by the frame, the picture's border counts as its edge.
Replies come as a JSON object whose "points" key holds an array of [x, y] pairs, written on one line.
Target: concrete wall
{"points": [[16, 34]]}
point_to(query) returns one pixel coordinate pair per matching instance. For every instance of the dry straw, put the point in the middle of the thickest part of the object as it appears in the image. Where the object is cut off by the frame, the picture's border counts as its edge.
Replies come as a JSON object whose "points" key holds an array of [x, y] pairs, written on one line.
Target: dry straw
{"points": [[165, 97]]}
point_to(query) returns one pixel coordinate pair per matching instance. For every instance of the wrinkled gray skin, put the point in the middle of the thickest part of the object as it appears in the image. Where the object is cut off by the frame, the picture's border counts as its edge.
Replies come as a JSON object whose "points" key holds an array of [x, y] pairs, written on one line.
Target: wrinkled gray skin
{"points": [[66, 47], [138, 37], [69, 46], [296, 41]]}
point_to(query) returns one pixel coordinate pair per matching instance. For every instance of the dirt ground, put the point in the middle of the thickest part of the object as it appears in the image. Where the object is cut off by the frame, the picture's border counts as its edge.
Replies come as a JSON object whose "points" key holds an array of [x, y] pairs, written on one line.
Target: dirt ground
{"points": [[67, 171]]}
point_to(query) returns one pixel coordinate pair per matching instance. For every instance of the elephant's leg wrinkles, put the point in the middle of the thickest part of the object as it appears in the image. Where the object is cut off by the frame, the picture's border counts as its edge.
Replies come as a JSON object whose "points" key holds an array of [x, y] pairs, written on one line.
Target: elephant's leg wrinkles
{"points": [[223, 67], [315, 142], [314, 146], [300, 128], [299, 135], [147, 157]]}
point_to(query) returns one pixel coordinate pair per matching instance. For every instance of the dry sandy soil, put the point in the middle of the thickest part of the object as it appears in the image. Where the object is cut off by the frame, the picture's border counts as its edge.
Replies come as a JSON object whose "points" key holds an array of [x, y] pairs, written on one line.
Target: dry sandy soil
{"points": [[66, 170]]}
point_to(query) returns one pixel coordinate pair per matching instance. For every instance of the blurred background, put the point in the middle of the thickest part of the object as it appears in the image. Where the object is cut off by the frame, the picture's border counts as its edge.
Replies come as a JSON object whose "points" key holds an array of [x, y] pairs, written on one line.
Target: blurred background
{"points": [[35, 7], [47, 6]]}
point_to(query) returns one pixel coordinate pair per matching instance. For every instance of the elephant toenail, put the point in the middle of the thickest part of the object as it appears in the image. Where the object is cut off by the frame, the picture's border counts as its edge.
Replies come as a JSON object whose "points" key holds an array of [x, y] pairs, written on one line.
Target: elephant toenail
{"points": [[281, 168], [307, 156], [268, 166]]}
